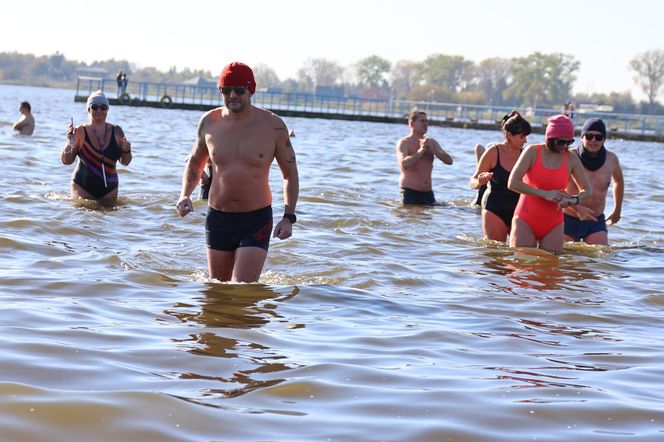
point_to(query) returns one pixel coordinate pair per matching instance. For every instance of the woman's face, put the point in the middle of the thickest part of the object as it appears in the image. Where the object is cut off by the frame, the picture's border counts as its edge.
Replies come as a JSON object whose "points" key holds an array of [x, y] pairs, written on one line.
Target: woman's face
{"points": [[559, 145], [98, 112]]}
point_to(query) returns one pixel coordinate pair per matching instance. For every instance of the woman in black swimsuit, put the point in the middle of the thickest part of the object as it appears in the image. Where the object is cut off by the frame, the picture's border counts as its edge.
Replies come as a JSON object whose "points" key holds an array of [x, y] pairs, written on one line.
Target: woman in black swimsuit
{"points": [[494, 167], [99, 146]]}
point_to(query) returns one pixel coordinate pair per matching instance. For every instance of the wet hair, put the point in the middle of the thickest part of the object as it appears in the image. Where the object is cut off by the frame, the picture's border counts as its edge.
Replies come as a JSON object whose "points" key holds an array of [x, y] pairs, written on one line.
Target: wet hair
{"points": [[26, 105], [415, 114], [515, 124]]}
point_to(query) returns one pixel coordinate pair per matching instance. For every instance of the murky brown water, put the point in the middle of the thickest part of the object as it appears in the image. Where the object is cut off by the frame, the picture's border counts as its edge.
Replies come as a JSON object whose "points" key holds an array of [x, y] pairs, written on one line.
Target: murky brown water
{"points": [[374, 322]]}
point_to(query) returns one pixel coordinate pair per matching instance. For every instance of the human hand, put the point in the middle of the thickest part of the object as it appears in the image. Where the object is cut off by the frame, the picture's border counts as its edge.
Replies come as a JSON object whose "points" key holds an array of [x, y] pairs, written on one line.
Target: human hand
{"points": [[184, 206], [284, 229], [125, 145], [555, 196], [613, 218], [484, 177]]}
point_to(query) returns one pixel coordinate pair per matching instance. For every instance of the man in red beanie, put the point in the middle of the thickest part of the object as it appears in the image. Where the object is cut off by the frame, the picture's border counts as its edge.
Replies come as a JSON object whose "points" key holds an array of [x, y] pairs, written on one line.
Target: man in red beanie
{"points": [[241, 141]]}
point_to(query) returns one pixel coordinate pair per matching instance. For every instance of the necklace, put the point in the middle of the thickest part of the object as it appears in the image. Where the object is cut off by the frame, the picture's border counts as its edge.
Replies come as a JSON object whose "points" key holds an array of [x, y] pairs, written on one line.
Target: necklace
{"points": [[102, 141]]}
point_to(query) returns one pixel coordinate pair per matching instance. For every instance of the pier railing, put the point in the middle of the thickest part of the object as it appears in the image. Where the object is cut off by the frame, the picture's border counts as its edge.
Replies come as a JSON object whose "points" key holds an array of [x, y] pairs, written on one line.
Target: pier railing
{"points": [[182, 96]]}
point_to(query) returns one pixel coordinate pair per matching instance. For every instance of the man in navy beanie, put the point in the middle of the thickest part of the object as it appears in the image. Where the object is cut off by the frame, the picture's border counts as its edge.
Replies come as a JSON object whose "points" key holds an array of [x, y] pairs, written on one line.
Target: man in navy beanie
{"points": [[586, 221]]}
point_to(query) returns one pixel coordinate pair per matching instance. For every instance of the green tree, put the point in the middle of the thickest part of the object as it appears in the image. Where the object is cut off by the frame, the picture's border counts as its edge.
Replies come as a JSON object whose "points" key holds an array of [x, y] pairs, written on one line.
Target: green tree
{"points": [[405, 75], [372, 71], [493, 77], [649, 68], [541, 77], [445, 71]]}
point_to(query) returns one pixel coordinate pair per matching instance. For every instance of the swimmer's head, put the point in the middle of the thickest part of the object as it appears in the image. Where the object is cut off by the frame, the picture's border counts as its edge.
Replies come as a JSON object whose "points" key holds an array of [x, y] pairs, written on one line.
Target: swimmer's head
{"points": [[97, 97], [237, 74], [515, 124], [560, 126], [594, 125]]}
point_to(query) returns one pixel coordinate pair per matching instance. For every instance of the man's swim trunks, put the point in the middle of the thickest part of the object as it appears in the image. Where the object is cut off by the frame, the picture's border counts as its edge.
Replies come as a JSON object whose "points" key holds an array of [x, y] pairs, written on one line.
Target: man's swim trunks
{"points": [[579, 230], [228, 231], [410, 196], [89, 173]]}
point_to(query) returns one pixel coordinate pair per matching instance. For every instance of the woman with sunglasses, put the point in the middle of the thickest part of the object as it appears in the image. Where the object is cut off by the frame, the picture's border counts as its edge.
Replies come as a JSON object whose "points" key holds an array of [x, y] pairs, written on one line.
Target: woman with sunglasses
{"points": [[541, 175], [494, 167], [99, 146]]}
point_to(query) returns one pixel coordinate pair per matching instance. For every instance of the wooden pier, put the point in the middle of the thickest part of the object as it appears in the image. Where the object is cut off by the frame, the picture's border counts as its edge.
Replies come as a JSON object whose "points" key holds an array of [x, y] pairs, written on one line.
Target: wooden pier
{"points": [[203, 98]]}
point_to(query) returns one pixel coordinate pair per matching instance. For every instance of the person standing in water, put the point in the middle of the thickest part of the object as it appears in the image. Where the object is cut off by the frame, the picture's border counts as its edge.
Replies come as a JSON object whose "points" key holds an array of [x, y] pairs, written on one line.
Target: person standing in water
{"points": [[415, 154], [26, 124], [99, 146], [586, 222], [541, 175], [494, 167], [241, 141]]}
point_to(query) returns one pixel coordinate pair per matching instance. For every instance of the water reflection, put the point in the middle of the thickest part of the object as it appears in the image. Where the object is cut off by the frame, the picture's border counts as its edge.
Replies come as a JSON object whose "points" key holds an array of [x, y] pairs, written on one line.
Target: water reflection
{"points": [[221, 321]]}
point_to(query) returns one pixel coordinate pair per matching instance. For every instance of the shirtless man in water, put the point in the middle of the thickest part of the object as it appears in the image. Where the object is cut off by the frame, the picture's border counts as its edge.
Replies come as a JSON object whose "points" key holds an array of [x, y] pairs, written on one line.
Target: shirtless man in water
{"points": [[415, 154], [26, 124], [586, 221], [241, 141]]}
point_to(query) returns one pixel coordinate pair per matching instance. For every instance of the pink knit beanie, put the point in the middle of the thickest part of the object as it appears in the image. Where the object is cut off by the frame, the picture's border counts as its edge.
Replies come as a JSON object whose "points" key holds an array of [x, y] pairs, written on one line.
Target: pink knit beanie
{"points": [[560, 126]]}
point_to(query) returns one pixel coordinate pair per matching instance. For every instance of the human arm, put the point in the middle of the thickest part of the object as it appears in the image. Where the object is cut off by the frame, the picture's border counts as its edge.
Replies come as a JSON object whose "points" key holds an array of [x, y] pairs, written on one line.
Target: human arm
{"points": [[405, 160], [434, 147], [125, 146], [71, 148], [21, 123], [580, 179], [285, 156], [618, 194], [484, 165], [192, 170]]}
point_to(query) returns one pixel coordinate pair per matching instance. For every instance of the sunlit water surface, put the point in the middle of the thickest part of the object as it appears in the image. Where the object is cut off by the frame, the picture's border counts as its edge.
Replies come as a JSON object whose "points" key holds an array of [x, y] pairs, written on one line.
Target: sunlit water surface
{"points": [[373, 322]]}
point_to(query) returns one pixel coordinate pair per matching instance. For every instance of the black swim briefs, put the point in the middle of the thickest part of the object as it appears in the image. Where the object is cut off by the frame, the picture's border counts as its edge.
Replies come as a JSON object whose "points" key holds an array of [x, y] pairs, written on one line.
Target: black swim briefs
{"points": [[227, 231]]}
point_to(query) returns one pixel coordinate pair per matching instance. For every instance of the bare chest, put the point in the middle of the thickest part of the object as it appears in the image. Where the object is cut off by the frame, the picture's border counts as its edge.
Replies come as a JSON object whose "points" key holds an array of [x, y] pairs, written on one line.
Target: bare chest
{"points": [[251, 145]]}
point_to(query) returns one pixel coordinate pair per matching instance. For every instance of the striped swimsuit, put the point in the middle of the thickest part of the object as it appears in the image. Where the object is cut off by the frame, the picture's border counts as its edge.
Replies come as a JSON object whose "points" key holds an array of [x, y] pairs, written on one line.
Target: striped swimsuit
{"points": [[89, 173]]}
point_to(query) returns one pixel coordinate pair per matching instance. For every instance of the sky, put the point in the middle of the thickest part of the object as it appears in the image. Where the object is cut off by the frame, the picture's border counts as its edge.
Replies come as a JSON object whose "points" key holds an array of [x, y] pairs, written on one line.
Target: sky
{"points": [[603, 35]]}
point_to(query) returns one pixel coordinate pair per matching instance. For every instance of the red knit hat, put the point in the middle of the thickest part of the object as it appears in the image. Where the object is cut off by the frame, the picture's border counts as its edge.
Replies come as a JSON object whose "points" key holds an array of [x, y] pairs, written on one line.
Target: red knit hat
{"points": [[560, 126], [237, 74]]}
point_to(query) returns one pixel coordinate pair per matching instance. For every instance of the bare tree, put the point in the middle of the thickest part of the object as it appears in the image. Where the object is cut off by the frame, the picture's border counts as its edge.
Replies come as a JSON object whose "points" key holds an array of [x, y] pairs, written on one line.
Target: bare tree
{"points": [[320, 71], [649, 68], [265, 76]]}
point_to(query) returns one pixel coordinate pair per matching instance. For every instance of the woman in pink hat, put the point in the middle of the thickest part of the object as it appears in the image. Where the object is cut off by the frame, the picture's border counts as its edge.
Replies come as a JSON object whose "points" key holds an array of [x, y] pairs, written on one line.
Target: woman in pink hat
{"points": [[540, 175]]}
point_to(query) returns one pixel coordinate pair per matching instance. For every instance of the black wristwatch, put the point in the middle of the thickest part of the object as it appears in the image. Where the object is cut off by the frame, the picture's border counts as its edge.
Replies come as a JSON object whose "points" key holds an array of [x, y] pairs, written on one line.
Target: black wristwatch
{"points": [[291, 217], [575, 198]]}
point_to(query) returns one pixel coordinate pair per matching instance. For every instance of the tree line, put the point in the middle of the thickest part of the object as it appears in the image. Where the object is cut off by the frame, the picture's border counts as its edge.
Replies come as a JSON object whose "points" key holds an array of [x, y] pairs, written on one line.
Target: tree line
{"points": [[537, 80]]}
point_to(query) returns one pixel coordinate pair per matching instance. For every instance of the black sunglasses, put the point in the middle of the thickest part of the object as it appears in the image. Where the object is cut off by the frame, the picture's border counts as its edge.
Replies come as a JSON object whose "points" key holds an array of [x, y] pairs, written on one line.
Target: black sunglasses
{"points": [[96, 107], [590, 137], [239, 90], [563, 141]]}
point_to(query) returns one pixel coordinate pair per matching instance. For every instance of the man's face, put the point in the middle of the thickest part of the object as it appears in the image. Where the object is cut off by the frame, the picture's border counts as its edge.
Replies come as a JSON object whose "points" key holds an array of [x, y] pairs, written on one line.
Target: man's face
{"points": [[421, 124], [236, 98], [591, 143]]}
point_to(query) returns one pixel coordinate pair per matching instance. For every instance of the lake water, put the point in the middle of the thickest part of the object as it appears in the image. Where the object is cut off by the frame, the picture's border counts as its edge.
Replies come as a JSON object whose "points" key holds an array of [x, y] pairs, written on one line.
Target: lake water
{"points": [[373, 322]]}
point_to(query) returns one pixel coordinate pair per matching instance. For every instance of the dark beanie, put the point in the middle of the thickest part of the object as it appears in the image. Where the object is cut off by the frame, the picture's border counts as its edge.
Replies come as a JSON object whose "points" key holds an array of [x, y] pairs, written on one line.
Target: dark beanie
{"points": [[595, 125]]}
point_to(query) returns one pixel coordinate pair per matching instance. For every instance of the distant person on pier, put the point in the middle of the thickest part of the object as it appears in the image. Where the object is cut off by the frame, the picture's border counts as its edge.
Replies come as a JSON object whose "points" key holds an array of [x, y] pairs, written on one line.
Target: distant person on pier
{"points": [[99, 145], [494, 168], [541, 175], [118, 79], [586, 222], [241, 141], [415, 154], [124, 83], [26, 124]]}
